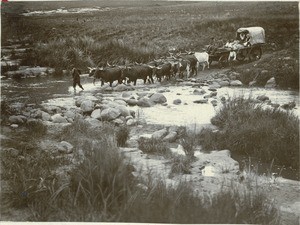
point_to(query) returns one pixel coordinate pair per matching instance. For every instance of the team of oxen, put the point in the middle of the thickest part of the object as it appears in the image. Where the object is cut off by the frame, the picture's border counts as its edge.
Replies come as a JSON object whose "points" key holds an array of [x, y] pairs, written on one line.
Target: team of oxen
{"points": [[186, 64]]}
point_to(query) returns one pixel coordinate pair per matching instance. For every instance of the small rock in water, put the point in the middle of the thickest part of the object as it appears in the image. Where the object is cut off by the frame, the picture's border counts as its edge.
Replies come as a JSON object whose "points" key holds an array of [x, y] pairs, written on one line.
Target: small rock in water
{"points": [[201, 101]]}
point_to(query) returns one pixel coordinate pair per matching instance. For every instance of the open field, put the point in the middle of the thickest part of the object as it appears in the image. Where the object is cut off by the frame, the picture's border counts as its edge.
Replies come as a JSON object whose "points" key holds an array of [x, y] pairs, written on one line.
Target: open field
{"points": [[143, 30]]}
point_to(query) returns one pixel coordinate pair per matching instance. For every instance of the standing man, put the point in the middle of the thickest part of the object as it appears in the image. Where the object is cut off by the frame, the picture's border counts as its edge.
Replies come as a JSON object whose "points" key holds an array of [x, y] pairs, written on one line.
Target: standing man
{"points": [[76, 78]]}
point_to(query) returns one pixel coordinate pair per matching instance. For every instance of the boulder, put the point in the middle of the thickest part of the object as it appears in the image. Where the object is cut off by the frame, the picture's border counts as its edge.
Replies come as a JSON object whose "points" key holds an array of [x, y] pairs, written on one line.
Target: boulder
{"points": [[144, 102], [123, 87], [110, 114], [158, 98], [236, 83], [57, 118], [120, 102], [69, 114], [17, 119], [171, 137], [65, 147], [96, 114], [199, 92], [118, 121], [177, 102], [87, 106], [93, 122], [131, 122], [126, 94], [262, 98], [160, 134], [214, 86], [224, 83], [271, 83], [173, 129], [46, 116], [131, 102], [123, 109]]}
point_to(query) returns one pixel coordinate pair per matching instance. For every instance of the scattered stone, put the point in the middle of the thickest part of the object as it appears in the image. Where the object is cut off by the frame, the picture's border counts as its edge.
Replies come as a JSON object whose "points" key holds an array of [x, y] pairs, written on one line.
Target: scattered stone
{"points": [[214, 102], [252, 83], [120, 102], [199, 92], [118, 121], [126, 94], [177, 102], [17, 119], [236, 83], [158, 98], [46, 116], [201, 101], [160, 134], [214, 86], [171, 137], [123, 87], [65, 147], [144, 102], [87, 106], [69, 114], [110, 114], [262, 98], [96, 114], [14, 125], [131, 122], [123, 109], [57, 118], [213, 94], [94, 122], [271, 83], [131, 102], [224, 83], [289, 106]]}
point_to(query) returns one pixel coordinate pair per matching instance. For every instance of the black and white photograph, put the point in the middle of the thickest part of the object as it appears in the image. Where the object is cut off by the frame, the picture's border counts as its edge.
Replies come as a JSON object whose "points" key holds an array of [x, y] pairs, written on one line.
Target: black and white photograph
{"points": [[149, 111]]}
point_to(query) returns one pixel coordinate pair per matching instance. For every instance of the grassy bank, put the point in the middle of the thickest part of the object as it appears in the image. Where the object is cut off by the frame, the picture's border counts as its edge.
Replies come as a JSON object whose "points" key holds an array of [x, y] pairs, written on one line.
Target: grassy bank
{"points": [[99, 186], [251, 129], [144, 31]]}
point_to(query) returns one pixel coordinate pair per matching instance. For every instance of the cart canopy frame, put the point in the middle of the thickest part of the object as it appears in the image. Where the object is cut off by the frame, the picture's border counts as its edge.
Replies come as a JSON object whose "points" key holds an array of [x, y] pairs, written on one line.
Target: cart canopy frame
{"points": [[257, 34]]}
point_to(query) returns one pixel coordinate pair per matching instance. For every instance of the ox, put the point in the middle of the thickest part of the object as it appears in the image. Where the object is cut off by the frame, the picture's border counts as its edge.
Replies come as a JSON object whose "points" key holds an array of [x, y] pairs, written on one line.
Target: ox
{"points": [[106, 75], [137, 72], [163, 70], [202, 58]]}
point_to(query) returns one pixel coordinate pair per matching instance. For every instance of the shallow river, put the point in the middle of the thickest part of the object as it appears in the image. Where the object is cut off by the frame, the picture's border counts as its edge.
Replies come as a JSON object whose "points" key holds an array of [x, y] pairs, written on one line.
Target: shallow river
{"points": [[60, 92]]}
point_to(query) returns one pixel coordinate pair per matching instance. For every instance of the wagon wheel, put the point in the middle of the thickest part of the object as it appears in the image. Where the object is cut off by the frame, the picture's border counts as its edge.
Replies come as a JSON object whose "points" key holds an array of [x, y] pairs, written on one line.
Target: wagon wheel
{"points": [[210, 60], [255, 53], [240, 56], [223, 60]]}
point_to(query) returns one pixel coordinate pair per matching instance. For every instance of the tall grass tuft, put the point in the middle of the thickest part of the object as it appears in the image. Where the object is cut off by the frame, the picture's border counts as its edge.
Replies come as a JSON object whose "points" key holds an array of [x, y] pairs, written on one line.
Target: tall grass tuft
{"points": [[102, 182], [153, 146], [163, 204], [122, 135], [252, 129]]}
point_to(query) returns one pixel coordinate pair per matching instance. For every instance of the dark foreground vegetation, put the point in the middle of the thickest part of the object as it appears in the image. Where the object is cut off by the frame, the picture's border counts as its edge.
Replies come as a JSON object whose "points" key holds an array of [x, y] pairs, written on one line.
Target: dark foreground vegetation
{"points": [[99, 186], [146, 30], [251, 129]]}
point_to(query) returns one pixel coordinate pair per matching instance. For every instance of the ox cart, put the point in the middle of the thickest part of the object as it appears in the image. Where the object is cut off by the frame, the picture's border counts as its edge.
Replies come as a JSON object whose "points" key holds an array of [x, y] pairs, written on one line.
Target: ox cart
{"points": [[248, 44]]}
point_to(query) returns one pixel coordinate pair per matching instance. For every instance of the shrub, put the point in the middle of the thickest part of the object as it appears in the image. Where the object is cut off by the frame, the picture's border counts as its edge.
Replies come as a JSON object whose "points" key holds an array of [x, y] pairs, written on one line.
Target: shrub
{"points": [[153, 146], [163, 204], [122, 135], [251, 129]]}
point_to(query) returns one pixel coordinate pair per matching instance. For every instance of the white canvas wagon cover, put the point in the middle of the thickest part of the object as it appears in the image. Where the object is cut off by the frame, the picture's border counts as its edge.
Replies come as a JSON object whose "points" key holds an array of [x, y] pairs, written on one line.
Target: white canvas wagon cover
{"points": [[257, 34]]}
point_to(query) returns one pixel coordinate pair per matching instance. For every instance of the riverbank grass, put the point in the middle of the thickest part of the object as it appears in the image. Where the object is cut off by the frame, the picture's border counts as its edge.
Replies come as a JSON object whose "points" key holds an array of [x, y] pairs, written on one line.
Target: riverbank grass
{"points": [[252, 129]]}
